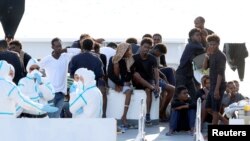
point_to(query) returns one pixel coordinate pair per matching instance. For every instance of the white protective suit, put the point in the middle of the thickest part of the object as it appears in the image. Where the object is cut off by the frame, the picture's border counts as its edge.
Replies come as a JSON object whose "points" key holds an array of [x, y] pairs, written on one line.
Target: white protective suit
{"points": [[30, 88], [86, 101], [10, 95], [19, 109]]}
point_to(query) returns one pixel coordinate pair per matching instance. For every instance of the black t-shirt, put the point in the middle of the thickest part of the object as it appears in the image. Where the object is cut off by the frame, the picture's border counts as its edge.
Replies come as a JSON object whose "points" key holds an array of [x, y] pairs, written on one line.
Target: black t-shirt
{"points": [[87, 60], [163, 60], [217, 65], [14, 60], [176, 103], [191, 50], [144, 67], [125, 76]]}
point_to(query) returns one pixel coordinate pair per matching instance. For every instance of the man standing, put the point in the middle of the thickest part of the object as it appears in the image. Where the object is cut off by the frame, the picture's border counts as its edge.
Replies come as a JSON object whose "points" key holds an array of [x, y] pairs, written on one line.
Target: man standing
{"points": [[199, 22], [56, 68], [24, 57], [184, 72], [216, 61], [78, 43]]}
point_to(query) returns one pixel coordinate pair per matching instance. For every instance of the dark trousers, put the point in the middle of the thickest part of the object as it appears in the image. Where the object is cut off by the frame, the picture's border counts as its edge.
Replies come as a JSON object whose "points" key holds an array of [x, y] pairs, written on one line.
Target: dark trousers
{"points": [[169, 73], [65, 111], [58, 102], [182, 119]]}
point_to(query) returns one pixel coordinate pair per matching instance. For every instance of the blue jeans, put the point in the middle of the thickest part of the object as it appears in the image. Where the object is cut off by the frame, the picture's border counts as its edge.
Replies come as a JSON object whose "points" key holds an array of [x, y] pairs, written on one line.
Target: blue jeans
{"points": [[58, 102], [176, 118], [65, 111]]}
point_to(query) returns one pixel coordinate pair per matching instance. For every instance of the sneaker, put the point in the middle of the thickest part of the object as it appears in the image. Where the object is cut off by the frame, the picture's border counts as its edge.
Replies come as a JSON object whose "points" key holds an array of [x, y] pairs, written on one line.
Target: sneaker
{"points": [[148, 120], [129, 126], [191, 132], [120, 130], [169, 133]]}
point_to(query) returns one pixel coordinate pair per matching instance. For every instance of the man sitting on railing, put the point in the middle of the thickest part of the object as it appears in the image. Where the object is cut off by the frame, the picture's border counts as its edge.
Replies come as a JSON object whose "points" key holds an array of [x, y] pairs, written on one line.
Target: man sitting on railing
{"points": [[119, 75], [146, 74], [167, 75]]}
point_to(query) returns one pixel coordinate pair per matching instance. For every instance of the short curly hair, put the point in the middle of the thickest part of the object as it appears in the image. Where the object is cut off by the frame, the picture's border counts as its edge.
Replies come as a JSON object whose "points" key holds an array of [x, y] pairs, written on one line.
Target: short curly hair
{"points": [[88, 44], [17, 43], [214, 38], [147, 40]]}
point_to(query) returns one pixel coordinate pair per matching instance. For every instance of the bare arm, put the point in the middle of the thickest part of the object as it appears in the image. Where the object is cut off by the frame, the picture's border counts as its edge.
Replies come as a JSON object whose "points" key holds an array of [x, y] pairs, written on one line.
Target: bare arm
{"points": [[217, 87], [206, 60], [221, 66], [163, 76], [137, 77], [182, 107], [117, 73], [116, 69], [156, 74], [205, 63]]}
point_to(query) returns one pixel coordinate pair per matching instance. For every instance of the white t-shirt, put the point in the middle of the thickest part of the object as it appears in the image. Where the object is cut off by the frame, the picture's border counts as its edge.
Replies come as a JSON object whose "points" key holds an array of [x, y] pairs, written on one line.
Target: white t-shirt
{"points": [[109, 52], [57, 69]]}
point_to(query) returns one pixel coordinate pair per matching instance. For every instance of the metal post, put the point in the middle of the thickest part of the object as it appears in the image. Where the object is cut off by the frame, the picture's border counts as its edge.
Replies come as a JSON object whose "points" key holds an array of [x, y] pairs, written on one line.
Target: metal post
{"points": [[141, 123], [198, 135]]}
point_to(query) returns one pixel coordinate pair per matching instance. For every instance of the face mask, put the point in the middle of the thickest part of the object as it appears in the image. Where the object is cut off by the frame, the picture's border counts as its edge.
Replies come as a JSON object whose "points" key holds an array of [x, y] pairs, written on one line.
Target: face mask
{"points": [[80, 85], [34, 72]]}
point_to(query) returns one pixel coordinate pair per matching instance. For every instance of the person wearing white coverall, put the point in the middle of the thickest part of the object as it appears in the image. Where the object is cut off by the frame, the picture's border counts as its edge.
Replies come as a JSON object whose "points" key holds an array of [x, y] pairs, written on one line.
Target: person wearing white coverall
{"points": [[36, 87], [10, 96], [10, 77], [85, 97]]}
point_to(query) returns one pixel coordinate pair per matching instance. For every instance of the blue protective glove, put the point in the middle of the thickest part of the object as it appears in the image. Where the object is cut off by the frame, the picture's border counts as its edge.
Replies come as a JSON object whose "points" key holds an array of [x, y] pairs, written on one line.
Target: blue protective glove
{"points": [[72, 88], [40, 94], [79, 111], [38, 78], [49, 109]]}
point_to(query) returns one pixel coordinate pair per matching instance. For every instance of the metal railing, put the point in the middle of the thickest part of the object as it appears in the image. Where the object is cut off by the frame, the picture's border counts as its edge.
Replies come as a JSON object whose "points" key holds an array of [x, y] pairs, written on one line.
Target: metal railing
{"points": [[141, 122]]}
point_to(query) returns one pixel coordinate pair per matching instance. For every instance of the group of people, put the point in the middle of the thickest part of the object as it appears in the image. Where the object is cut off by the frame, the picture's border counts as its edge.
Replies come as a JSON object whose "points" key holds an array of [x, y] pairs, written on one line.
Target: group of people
{"points": [[215, 93], [123, 67]]}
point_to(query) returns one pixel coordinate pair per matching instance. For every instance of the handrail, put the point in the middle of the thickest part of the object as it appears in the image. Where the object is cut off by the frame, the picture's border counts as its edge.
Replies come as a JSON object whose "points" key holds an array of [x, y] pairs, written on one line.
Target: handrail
{"points": [[198, 135], [141, 122]]}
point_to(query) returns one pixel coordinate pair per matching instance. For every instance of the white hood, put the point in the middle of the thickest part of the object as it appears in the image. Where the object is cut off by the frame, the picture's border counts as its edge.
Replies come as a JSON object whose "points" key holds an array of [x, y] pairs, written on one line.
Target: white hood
{"points": [[9, 77], [31, 62], [4, 69], [88, 76]]}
